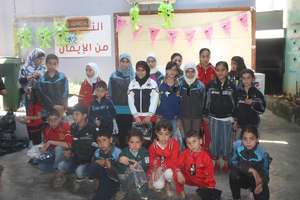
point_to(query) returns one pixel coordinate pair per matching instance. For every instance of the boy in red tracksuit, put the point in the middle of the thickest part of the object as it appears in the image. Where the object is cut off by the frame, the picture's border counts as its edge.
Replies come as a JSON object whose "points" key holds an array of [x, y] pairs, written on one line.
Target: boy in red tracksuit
{"points": [[194, 166], [206, 73], [163, 155]]}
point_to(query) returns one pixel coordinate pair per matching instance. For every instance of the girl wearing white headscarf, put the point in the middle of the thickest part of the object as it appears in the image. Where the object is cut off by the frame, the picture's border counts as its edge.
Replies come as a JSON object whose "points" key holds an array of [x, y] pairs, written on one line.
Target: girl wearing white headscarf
{"points": [[88, 85]]}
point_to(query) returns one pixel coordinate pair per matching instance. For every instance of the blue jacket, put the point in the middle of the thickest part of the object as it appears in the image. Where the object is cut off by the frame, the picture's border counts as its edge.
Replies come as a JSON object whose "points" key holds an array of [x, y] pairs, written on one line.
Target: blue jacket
{"points": [[256, 158], [53, 90], [170, 99]]}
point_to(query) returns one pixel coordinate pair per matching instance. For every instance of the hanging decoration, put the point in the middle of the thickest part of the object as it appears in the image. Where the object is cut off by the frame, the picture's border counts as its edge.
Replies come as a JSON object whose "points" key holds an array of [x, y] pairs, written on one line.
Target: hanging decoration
{"points": [[243, 19], [226, 26], [172, 35], [190, 35], [166, 11], [208, 31], [153, 33], [120, 23], [44, 36], [72, 38], [61, 33], [24, 37], [134, 14]]}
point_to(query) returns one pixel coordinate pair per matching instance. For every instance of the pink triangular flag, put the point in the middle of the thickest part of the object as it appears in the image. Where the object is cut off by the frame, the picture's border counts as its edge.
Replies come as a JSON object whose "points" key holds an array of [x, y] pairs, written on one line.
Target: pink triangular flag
{"points": [[189, 35], [243, 19], [226, 26], [172, 35], [120, 23], [208, 31], [153, 33], [137, 31]]}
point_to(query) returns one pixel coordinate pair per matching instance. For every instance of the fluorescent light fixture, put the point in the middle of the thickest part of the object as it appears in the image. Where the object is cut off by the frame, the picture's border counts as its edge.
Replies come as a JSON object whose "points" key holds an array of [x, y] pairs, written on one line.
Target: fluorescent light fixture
{"points": [[270, 34], [273, 141]]}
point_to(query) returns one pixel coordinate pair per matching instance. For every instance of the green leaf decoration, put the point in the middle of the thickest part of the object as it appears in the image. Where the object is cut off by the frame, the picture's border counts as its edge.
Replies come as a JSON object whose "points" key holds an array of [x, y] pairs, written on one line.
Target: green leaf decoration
{"points": [[24, 37], [166, 11], [44, 36], [134, 14], [61, 33]]}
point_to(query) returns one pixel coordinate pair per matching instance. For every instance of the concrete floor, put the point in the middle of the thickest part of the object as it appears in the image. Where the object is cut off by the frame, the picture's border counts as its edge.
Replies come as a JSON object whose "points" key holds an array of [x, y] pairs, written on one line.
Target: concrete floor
{"points": [[21, 181]]}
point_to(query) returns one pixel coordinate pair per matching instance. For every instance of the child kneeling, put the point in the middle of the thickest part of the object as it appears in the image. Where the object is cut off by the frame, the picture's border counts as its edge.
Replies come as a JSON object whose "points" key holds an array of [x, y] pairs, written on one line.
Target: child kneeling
{"points": [[195, 168], [250, 166]]}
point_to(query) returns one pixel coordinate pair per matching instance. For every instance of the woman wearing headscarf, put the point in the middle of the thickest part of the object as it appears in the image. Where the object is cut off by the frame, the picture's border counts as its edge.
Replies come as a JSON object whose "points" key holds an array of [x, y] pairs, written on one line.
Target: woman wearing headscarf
{"points": [[88, 85], [117, 88]]}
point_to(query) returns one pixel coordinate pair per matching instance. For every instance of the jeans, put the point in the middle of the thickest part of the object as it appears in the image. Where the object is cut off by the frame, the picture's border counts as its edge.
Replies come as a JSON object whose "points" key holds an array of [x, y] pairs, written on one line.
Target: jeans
{"points": [[50, 164], [69, 166]]}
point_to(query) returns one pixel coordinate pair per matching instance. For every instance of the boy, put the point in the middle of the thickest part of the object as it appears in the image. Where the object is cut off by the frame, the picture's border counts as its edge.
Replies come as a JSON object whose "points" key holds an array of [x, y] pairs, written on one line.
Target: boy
{"points": [[57, 137], [195, 167], [103, 169], [80, 155], [53, 87], [102, 111]]}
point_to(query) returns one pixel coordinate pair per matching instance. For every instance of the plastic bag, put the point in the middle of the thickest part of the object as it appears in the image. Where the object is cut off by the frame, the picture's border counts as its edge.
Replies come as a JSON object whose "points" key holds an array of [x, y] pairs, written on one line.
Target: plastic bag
{"points": [[139, 175]]}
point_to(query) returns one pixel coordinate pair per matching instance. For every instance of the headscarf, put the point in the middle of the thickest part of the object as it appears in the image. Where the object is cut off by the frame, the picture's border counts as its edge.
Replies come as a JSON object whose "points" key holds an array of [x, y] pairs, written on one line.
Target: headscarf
{"points": [[152, 70], [129, 72], [96, 76], [146, 67], [190, 66]]}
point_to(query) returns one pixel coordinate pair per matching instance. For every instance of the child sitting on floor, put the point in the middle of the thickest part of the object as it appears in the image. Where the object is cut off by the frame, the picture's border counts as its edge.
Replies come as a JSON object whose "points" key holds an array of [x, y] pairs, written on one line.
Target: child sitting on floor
{"points": [[249, 166]]}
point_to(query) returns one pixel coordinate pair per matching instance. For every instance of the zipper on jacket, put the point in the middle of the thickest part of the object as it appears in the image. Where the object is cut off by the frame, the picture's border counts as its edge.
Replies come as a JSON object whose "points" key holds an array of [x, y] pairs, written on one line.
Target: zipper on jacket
{"points": [[141, 110]]}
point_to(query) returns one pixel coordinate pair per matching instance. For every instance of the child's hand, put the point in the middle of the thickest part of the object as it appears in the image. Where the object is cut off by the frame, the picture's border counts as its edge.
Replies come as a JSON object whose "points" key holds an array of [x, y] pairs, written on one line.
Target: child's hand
{"points": [[156, 174], [180, 177], [101, 162], [258, 189], [45, 147], [67, 153], [248, 101], [107, 164], [257, 178], [124, 160]]}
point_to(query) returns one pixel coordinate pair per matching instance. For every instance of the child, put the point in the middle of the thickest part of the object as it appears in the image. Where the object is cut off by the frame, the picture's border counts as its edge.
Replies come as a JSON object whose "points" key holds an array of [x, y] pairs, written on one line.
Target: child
{"points": [[220, 105], [88, 86], [143, 95], [34, 119], [192, 92], [177, 58], [250, 101], [102, 111], [133, 157], [169, 96], [104, 167], [250, 166], [155, 74], [57, 137], [206, 71], [53, 87], [163, 155], [118, 88], [237, 65], [79, 156], [195, 166]]}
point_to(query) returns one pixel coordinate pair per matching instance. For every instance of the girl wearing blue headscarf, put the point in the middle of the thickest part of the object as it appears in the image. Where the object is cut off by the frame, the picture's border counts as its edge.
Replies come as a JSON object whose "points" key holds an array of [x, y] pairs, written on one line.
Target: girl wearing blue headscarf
{"points": [[118, 86]]}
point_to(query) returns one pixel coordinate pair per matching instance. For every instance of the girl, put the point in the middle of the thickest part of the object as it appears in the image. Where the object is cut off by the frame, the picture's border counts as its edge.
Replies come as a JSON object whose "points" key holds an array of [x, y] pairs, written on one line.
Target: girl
{"points": [[143, 95], [237, 65], [163, 155], [206, 71], [250, 101], [250, 166], [88, 86], [117, 88], [155, 74], [177, 58], [192, 92], [170, 99], [220, 105]]}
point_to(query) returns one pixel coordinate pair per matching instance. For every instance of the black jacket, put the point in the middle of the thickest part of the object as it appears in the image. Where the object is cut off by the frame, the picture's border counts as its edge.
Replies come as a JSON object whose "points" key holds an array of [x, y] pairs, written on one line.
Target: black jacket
{"points": [[249, 114], [220, 102]]}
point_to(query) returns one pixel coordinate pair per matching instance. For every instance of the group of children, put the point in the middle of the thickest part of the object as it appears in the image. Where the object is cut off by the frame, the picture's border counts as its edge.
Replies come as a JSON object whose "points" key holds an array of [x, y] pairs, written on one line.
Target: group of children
{"points": [[195, 113]]}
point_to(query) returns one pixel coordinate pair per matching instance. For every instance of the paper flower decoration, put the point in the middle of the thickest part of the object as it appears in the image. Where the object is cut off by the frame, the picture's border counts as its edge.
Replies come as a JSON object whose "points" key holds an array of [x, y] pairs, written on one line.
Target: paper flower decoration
{"points": [[166, 11], [44, 36], [24, 37], [61, 33], [134, 14]]}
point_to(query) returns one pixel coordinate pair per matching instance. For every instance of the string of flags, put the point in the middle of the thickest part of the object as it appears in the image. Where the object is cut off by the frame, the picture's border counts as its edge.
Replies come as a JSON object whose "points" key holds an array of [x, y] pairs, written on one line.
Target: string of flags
{"points": [[189, 33]]}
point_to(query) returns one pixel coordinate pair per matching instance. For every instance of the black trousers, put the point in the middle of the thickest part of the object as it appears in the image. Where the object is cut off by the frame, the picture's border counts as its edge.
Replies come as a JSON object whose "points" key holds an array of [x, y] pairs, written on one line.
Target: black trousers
{"points": [[239, 179], [124, 124], [35, 134]]}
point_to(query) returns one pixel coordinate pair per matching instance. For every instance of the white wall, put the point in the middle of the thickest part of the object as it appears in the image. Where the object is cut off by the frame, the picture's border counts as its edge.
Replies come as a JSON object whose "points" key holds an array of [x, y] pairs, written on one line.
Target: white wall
{"points": [[73, 67]]}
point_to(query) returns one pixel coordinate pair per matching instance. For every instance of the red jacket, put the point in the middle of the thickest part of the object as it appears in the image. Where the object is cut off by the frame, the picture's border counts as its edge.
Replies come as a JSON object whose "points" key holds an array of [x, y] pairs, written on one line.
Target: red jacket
{"points": [[166, 157], [86, 93], [204, 176], [34, 110], [61, 133], [205, 76]]}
